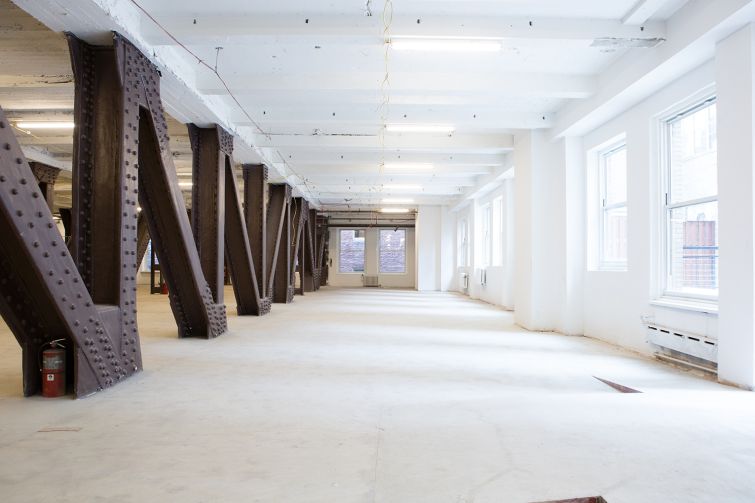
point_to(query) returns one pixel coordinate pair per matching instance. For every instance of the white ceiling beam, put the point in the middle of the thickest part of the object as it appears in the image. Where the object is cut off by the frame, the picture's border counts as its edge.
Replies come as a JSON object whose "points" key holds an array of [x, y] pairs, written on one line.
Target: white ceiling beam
{"points": [[642, 11], [692, 36], [33, 153], [539, 85], [373, 157], [328, 170], [220, 28], [409, 142]]}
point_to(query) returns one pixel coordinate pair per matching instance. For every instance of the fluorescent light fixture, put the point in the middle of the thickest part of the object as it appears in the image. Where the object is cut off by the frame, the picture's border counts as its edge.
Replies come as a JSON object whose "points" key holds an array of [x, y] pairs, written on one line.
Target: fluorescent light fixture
{"points": [[445, 44], [45, 125], [394, 210], [403, 187], [415, 166], [420, 128], [398, 200], [185, 184]]}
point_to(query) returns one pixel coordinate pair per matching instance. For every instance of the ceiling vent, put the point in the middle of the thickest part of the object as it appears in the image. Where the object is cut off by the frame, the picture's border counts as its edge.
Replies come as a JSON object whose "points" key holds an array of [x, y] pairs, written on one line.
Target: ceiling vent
{"points": [[627, 43]]}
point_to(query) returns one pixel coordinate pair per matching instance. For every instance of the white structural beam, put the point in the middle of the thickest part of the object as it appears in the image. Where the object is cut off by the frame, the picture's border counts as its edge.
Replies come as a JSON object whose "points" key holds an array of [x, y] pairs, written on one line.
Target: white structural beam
{"points": [[211, 29], [692, 35], [540, 85], [642, 11], [38, 154], [453, 143]]}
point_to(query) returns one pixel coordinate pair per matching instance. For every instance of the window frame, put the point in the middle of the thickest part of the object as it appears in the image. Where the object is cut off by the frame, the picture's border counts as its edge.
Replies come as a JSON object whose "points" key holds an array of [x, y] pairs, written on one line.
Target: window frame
{"points": [[496, 239], [379, 247], [604, 207], [364, 259], [667, 207], [486, 234], [463, 237]]}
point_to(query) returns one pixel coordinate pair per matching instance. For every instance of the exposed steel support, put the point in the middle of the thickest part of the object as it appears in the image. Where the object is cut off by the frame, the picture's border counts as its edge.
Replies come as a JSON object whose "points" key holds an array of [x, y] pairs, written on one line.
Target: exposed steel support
{"points": [[217, 212], [322, 253], [279, 244], [309, 272], [42, 295], [208, 201], [122, 133], [255, 216], [300, 210]]}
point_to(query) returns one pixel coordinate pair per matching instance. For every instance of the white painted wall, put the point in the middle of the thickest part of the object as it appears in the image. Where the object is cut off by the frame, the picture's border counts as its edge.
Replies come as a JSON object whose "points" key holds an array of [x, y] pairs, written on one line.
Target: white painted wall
{"points": [[406, 280], [736, 160], [616, 301], [435, 248]]}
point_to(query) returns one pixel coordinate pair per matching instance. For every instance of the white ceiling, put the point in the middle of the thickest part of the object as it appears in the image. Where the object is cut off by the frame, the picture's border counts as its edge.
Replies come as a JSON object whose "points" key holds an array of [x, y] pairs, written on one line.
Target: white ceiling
{"points": [[309, 75]]}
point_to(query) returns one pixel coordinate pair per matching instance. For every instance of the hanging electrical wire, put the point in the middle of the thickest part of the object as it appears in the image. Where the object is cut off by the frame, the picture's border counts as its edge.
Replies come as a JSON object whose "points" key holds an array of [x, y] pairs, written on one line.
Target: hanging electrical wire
{"points": [[227, 88], [385, 85]]}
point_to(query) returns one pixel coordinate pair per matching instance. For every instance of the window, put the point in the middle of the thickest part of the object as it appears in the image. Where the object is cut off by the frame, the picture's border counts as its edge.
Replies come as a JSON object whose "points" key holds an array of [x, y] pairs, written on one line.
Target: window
{"points": [[392, 251], [463, 243], [351, 251], [497, 231], [613, 208], [486, 244], [691, 204]]}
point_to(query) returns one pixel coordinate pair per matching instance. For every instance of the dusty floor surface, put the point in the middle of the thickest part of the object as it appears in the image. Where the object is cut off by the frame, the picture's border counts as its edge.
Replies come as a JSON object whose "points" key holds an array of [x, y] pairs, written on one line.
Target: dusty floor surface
{"points": [[378, 396]]}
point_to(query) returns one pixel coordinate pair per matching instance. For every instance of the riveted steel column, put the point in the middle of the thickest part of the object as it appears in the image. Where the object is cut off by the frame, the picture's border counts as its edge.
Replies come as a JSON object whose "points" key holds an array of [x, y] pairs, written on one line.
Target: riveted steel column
{"points": [[300, 209], [308, 267], [208, 202], [238, 251], [125, 127], [42, 295], [324, 254], [279, 244], [255, 216]]}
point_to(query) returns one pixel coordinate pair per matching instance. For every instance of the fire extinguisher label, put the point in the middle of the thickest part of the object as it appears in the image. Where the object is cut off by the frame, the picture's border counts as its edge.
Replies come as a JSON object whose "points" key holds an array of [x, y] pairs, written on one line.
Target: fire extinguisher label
{"points": [[50, 377]]}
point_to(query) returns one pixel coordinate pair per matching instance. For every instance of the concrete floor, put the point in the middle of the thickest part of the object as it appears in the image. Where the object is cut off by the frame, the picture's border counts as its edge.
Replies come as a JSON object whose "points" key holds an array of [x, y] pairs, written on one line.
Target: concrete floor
{"points": [[378, 396]]}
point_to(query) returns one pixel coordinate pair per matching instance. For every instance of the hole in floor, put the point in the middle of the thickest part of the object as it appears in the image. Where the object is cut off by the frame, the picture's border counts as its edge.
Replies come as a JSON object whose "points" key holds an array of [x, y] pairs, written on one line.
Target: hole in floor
{"points": [[618, 387], [591, 499]]}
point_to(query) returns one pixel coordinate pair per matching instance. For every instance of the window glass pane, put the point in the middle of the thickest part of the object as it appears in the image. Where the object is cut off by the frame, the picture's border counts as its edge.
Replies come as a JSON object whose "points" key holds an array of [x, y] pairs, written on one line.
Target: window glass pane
{"points": [[497, 231], [351, 253], [693, 249], [392, 251], [615, 235], [486, 235], [463, 244], [615, 176], [692, 158]]}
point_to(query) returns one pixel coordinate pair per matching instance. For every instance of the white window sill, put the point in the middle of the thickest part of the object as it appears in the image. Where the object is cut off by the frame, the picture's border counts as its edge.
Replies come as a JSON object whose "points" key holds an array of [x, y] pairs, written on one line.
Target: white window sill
{"points": [[700, 306]]}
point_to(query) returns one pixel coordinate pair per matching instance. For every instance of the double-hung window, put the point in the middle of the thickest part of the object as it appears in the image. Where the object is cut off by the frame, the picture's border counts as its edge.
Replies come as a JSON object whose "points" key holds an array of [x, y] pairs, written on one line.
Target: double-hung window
{"points": [[691, 204], [486, 241], [392, 251], [497, 231], [463, 241], [613, 208], [351, 251]]}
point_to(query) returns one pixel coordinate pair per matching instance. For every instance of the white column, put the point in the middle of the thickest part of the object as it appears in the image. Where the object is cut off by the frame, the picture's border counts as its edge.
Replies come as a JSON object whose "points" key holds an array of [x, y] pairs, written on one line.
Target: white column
{"points": [[549, 233], [735, 65], [428, 247]]}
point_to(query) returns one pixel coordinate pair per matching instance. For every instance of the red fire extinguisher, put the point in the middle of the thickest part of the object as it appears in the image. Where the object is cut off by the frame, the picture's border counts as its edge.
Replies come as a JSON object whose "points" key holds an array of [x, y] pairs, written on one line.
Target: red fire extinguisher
{"points": [[53, 370]]}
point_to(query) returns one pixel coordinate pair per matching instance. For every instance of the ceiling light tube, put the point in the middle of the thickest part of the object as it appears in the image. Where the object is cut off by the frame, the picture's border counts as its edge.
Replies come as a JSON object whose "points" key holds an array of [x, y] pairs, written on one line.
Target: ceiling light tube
{"points": [[394, 210], [45, 125], [420, 128], [185, 184], [416, 166], [445, 44]]}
